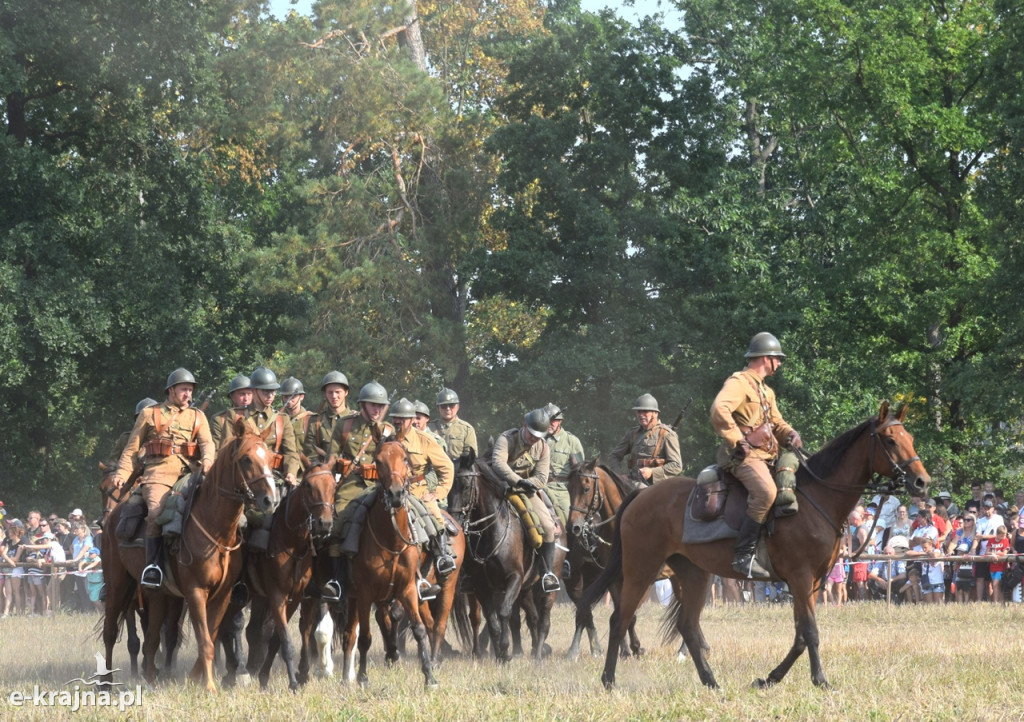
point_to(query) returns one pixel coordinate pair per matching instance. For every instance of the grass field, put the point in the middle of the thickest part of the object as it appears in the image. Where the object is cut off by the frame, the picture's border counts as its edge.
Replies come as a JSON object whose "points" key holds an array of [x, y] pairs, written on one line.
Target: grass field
{"points": [[910, 663]]}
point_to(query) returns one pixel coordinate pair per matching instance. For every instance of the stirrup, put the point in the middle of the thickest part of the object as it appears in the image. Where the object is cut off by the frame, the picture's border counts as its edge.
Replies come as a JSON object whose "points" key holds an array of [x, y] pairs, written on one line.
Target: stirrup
{"points": [[549, 583], [152, 577], [445, 564], [331, 591], [426, 590], [566, 569], [750, 569]]}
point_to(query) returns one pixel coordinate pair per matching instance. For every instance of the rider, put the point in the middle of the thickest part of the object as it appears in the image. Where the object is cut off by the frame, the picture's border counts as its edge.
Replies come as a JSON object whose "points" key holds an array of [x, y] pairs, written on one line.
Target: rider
{"points": [[281, 439], [317, 443], [177, 440], [522, 460], [459, 436], [222, 428], [652, 447], [745, 415], [566, 452], [425, 453], [352, 444], [292, 393]]}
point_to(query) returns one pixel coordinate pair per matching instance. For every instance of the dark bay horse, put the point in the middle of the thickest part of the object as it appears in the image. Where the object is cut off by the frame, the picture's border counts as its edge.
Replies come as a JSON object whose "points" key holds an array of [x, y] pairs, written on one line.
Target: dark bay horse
{"points": [[501, 566], [386, 566], [595, 494], [207, 560], [277, 578], [802, 549]]}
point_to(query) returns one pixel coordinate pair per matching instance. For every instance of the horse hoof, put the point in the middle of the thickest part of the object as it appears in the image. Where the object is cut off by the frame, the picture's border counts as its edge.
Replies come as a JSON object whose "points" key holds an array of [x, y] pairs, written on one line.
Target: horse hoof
{"points": [[363, 680], [244, 680], [762, 683], [432, 684]]}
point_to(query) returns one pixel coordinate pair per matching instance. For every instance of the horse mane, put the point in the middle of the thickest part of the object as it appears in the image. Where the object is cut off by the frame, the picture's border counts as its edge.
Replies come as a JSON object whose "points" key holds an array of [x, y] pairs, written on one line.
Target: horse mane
{"points": [[830, 456], [619, 482]]}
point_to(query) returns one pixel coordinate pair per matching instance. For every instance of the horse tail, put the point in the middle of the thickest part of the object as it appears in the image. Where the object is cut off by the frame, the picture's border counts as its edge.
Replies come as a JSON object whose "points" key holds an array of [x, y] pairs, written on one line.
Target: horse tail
{"points": [[125, 607], [613, 569], [669, 629], [463, 625]]}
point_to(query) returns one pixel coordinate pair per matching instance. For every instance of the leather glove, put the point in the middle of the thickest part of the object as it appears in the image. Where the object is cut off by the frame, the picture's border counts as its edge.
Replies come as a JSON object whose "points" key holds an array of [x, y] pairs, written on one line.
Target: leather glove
{"points": [[741, 450], [528, 487], [794, 440]]}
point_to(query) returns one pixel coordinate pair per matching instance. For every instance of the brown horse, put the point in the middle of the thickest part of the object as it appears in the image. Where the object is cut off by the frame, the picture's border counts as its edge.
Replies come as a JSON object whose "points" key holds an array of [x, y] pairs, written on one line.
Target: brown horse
{"points": [[207, 560], [277, 578], [595, 494], [802, 548], [386, 567]]}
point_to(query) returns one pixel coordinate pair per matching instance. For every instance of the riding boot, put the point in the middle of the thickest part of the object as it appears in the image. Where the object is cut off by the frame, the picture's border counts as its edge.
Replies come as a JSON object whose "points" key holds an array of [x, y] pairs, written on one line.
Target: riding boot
{"points": [[548, 582], [426, 589], [745, 561], [445, 561], [153, 575], [334, 589]]}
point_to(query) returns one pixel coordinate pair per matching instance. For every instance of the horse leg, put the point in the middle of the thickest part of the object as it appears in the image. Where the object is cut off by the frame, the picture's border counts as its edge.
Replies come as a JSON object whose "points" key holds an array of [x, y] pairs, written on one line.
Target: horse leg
{"points": [[156, 607], [257, 634], [134, 643], [806, 637], [515, 629], [172, 632], [323, 637], [365, 638], [279, 609], [691, 591], [388, 626], [230, 638], [637, 576]]}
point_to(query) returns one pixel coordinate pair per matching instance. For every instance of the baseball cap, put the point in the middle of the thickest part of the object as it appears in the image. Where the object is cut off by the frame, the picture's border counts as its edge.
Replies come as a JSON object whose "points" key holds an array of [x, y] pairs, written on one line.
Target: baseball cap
{"points": [[987, 504], [899, 542], [76, 512], [931, 502], [943, 495]]}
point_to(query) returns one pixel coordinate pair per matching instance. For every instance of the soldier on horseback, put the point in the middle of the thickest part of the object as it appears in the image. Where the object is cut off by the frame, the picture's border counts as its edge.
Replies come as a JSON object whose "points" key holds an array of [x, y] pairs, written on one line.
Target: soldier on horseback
{"points": [[317, 441], [522, 460], [281, 439], [745, 415], [353, 445], [292, 393], [176, 440], [222, 424], [652, 447], [459, 436]]}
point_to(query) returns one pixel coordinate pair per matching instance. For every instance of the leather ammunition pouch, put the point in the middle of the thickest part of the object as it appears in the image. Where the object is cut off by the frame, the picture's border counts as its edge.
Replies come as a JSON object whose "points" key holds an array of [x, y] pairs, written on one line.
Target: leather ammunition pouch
{"points": [[132, 515], [369, 472], [760, 437], [710, 495], [275, 461], [165, 447], [343, 467]]}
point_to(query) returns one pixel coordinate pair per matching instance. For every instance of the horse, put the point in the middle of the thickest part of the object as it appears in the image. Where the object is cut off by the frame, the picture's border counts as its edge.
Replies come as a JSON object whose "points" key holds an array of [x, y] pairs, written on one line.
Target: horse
{"points": [[386, 568], [207, 560], [501, 565], [277, 577], [595, 494], [802, 548]]}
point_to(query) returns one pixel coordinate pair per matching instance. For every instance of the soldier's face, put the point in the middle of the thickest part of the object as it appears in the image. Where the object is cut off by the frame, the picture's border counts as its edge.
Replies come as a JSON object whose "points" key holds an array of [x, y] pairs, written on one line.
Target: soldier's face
{"points": [[335, 395], [242, 398], [646, 419], [448, 411], [266, 396], [420, 422], [556, 424], [402, 426], [181, 394], [293, 402], [372, 411]]}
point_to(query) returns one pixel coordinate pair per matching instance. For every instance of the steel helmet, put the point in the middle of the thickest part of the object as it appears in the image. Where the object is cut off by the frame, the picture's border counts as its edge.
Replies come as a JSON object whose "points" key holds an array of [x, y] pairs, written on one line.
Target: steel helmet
{"points": [[764, 344], [264, 379], [239, 383], [373, 393], [447, 396], [291, 386], [421, 408], [554, 413], [180, 376], [334, 377], [403, 409], [144, 404], [537, 422], [645, 402]]}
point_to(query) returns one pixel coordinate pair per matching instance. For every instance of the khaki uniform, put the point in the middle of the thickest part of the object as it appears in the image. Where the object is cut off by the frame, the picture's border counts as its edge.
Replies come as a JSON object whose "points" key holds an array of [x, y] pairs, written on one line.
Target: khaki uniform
{"points": [[300, 424], [458, 436], [259, 419], [565, 449], [353, 445], [425, 454], [657, 448], [511, 460], [319, 432], [176, 427], [744, 403], [222, 427]]}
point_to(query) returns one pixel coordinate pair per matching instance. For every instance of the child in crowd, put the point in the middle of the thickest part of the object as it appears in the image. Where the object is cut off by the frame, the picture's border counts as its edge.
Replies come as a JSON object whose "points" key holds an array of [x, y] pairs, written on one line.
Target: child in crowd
{"points": [[94, 577], [999, 548]]}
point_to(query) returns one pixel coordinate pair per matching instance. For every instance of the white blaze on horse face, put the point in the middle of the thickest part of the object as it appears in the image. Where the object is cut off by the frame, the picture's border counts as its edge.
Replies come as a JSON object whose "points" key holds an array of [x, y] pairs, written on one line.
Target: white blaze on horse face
{"points": [[262, 453]]}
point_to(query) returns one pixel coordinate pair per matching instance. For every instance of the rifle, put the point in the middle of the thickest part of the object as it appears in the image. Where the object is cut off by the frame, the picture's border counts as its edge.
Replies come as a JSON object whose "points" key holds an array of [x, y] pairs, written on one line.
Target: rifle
{"points": [[203, 402], [675, 424]]}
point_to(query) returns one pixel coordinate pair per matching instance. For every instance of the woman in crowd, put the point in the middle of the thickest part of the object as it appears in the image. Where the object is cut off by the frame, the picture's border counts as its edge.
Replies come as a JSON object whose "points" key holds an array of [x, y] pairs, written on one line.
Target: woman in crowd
{"points": [[960, 544]]}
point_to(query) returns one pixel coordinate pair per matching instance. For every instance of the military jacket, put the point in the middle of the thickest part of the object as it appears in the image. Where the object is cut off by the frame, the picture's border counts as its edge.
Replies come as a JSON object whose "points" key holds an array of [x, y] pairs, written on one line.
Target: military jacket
{"points": [[222, 427], [166, 423], [640, 446], [259, 420], [565, 450], [352, 440], [458, 436], [300, 425], [743, 404], [426, 454], [513, 460], [319, 432]]}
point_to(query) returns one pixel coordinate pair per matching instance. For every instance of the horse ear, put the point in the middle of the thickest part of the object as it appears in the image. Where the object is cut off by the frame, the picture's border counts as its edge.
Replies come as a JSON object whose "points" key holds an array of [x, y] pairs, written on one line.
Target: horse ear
{"points": [[266, 432], [883, 412], [239, 425], [902, 413]]}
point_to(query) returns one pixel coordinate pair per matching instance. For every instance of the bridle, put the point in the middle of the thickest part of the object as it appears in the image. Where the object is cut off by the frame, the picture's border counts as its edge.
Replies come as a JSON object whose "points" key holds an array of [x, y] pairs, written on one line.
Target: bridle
{"points": [[244, 491], [389, 504], [311, 506], [588, 535], [474, 528]]}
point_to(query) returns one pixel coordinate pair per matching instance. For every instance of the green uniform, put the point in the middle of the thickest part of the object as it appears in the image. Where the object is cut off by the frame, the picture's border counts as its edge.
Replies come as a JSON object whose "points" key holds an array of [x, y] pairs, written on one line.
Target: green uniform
{"points": [[566, 450], [513, 460], [222, 429], [657, 448], [458, 436], [352, 441], [300, 424], [259, 420], [316, 444]]}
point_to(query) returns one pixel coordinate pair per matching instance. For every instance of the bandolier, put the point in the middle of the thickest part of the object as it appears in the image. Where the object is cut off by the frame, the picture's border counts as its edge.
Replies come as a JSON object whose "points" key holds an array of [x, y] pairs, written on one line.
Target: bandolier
{"points": [[316, 444], [654, 446]]}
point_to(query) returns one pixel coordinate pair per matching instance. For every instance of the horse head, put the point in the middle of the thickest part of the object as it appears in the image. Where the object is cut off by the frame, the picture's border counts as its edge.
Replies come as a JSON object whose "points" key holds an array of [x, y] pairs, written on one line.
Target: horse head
{"points": [[899, 461], [394, 472], [317, 493], [250, 460], [584, 495], [460, 496]]}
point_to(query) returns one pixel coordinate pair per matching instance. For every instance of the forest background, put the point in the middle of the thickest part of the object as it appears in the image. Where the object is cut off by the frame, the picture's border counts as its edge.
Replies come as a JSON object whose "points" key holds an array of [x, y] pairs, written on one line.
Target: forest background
{"points": [[521, 200]]}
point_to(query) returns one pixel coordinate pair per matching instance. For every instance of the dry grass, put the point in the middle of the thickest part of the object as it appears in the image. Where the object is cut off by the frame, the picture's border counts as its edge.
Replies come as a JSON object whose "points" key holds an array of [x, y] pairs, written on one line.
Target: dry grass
{"points": [[910, 663]]}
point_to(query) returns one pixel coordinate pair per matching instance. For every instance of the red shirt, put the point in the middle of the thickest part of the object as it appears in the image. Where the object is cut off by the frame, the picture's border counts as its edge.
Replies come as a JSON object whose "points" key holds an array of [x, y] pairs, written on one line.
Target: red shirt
{"points": [[996, 545]]}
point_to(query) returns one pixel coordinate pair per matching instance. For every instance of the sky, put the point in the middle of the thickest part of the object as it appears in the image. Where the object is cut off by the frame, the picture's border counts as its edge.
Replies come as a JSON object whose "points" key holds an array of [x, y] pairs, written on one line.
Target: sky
{"points": [[280, 8]]}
